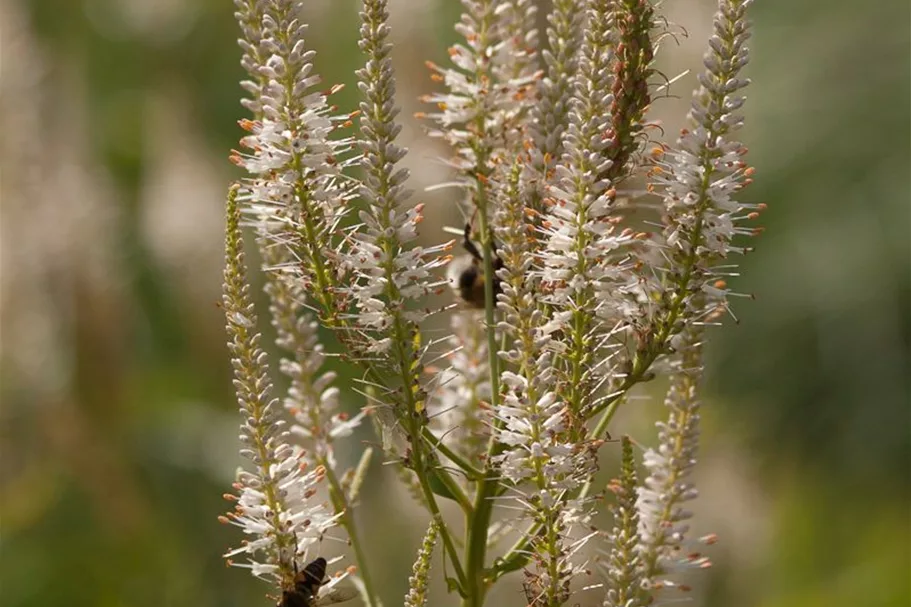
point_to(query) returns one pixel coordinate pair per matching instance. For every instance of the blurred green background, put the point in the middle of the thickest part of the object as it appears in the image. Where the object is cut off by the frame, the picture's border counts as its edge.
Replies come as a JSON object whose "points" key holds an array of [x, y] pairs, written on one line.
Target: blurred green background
{"points": [[118, 422]]}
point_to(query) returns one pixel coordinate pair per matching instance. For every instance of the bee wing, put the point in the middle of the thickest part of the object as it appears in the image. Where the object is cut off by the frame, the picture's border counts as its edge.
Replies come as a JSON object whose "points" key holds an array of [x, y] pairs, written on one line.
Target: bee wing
{"points": [[335, 595]]}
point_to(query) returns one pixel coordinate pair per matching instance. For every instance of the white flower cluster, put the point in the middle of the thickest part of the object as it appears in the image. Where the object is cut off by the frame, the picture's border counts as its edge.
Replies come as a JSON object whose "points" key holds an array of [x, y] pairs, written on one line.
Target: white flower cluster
{"points": [[290, 483], [564, 36], [312, 399], [698, 177], [297, 195], [490, 90], [665, 548]]}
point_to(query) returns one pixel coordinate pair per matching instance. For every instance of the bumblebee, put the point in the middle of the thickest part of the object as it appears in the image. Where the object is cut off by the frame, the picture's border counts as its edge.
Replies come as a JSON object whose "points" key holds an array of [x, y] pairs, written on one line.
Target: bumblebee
{"points": [[466, 274], [306, 588]]}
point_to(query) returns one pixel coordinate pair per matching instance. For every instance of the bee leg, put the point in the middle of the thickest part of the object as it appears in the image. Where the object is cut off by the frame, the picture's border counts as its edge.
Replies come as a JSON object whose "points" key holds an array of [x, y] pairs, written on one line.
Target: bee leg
{"points": [[469, 246]]}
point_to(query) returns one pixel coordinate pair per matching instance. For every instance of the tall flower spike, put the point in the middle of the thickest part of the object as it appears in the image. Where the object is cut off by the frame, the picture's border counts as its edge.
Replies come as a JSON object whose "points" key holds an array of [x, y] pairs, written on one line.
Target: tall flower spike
{"points": [[665, 549], [523, 319], [551, 113], [534, 427], [580, 257], [624, 567], [274, 503], [698, 178], [490, 88], [311, 400], [529, 401], [297, 194], [388, 269], [249, 16]]}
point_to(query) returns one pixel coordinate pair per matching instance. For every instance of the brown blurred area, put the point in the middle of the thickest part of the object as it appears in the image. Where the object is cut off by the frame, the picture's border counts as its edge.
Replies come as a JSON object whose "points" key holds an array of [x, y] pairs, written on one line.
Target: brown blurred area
{"points": [[117, 421]]}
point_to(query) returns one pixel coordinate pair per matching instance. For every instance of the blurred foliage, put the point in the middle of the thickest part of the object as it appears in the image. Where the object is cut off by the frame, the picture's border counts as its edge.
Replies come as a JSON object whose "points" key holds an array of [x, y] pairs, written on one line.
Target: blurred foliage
{"points": [[111, 489]]}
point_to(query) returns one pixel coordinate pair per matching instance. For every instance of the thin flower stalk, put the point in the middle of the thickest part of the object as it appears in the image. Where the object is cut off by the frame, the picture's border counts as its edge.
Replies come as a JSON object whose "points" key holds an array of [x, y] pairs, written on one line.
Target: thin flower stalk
{"points": [[665, 549], [706, 168], [389, 270], [274, 505], [624, 567], [314, 405], [312, 400], [697, 179], [420, 571], [523, 323]]}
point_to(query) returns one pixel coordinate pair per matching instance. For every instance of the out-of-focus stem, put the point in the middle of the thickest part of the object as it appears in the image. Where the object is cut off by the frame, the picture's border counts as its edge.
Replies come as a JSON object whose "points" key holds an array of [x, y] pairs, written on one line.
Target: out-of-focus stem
{"points": [[340, 503]]}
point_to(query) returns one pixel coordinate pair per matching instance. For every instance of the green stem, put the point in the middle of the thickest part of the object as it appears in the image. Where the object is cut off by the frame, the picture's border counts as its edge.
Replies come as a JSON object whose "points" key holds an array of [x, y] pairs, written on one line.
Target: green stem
{"points": [[463, 464], [419, 463], [340, 503], [478, 524]]}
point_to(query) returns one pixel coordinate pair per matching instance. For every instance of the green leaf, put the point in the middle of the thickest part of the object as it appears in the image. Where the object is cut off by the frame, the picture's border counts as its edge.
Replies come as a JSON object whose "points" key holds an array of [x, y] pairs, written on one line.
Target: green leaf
{"points": [[503, 566], [438, 486]]}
